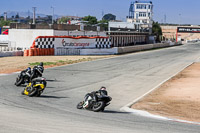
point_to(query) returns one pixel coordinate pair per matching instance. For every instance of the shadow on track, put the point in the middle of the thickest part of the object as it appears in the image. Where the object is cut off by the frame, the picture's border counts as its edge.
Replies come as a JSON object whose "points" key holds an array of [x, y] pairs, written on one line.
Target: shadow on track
{"points": [[50, 80], [113, 112], [50, 87], [23, 85], [47, 96]]}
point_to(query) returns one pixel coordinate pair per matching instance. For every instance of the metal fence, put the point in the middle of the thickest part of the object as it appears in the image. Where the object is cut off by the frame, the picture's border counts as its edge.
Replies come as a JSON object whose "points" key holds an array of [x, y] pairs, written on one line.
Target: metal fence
{"points": [[66, 51], [3, 48]]}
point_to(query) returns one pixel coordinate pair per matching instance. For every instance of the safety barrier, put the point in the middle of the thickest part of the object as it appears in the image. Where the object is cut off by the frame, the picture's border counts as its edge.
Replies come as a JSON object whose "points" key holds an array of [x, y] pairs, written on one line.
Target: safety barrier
{"points": [[46, 45], [39, 52], [122, 50]]}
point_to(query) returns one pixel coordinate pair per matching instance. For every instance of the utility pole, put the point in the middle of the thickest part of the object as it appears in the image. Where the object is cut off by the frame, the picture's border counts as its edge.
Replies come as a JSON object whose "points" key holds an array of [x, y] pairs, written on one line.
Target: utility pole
{"points": [[179, 19], [34, 10], [52, 14], [5, 16], [28, 14], [102, 14], [165, 18]]}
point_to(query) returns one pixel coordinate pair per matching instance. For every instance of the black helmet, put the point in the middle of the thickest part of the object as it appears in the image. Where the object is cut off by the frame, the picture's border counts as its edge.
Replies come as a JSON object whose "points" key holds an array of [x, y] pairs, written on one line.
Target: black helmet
{"points": [[41, 64]]}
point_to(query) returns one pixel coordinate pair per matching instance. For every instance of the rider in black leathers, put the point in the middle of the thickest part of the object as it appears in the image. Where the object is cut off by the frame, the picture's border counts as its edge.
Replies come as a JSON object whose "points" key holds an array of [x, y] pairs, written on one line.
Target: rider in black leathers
{"points": [[101, 91], [37, 71]]}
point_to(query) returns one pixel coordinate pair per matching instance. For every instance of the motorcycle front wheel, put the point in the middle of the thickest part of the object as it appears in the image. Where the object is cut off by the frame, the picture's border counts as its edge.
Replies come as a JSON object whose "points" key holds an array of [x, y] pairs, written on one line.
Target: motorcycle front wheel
{"points": [[79, 105], [98, 106], [33, 92]]}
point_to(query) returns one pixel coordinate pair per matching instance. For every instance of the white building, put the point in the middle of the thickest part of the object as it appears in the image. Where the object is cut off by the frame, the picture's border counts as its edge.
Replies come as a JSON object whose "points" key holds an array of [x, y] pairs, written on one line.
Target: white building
{"points": [[141, 12], [139, 19]]}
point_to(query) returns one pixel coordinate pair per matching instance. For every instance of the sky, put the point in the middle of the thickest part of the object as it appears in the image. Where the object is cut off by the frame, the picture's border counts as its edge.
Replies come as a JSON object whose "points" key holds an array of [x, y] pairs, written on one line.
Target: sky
{"points": [[176, 11]]}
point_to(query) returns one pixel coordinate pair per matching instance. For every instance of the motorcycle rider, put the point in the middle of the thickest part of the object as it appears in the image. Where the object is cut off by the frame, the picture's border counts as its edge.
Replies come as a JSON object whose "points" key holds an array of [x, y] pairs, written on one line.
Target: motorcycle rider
{"points": [[39, 68], [101, 91], [33, 77], [95, 101], [27, 71]]}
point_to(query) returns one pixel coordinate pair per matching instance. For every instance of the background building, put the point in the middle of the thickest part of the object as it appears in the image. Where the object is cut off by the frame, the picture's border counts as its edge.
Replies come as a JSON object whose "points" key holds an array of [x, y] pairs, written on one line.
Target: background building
{"points": [[139, 19], [141, 12]]}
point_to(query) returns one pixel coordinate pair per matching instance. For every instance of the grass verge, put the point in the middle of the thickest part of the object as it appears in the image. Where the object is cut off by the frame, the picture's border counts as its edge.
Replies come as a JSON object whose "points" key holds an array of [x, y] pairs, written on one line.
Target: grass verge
{"points": [[62, 62]]}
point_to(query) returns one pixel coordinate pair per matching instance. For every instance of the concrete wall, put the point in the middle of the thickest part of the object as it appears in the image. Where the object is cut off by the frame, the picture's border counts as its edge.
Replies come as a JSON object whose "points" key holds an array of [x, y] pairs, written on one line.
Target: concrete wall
{"points": [[4, 40], [122, 50], [112, 51], [67, 51], [24, 38]]}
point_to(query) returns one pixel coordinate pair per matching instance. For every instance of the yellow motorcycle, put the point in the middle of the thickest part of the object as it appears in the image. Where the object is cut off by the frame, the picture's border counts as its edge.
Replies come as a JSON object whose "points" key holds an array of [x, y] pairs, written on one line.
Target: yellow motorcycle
{"points": [[35, 87]]}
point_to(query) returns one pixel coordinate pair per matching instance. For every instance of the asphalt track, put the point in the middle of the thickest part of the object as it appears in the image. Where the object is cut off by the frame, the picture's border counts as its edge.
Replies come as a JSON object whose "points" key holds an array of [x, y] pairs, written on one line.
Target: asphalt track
{"points": [[126, 77]]}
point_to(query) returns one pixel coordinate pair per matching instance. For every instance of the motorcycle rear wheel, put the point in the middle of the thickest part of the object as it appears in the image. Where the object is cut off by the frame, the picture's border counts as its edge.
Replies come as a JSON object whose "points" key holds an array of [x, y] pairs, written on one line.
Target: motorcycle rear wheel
{"points": [[44, 82], [38, 93], [18, 81], [98, 106]]}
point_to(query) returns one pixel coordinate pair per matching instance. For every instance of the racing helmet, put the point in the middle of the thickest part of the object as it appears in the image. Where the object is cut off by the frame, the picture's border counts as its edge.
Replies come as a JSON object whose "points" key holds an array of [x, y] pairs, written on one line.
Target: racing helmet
{"points": [[41, 64], [28, 68], [102, 88]]}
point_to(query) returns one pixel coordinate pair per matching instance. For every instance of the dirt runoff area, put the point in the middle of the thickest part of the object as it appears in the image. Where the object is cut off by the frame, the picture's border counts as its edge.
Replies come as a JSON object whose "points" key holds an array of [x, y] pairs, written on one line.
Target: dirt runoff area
{"points": [[19, 63], [177, 98]]}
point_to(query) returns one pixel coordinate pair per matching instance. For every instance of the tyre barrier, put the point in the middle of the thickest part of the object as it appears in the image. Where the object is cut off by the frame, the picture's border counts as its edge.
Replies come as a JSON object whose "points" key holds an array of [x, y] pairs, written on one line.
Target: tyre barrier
{"points": [[26, 52], [39, 52]]}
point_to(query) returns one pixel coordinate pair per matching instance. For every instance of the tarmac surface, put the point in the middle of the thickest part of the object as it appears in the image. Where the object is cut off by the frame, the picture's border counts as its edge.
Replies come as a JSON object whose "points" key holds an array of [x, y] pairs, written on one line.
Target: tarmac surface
{"points": [[126, 77]]}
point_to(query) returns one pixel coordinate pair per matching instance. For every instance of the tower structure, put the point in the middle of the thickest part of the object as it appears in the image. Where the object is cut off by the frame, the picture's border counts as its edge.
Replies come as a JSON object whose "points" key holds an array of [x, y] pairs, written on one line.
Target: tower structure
{"points": [[140, 12], [5, 16]]}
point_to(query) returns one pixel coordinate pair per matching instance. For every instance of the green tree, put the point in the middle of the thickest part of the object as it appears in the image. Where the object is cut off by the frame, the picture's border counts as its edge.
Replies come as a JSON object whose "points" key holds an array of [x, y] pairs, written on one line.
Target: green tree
{"points": [[17, 16], [109, 17], [103, 23], [4, 23], [91, 20], [157, 31], [63, 20]]}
